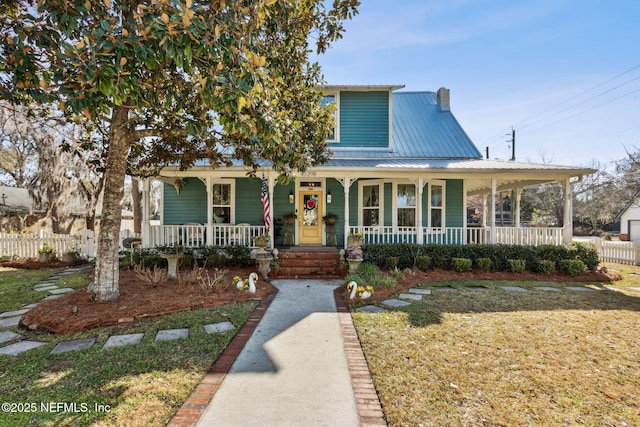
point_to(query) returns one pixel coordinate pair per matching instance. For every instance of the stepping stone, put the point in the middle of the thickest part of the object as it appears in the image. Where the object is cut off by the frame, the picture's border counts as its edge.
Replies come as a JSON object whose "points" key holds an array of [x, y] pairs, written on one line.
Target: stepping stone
{"points": [[44, 285], [476, 288], [219, 327], [51, 297], [20, 347], [10, 321], [513, 288], [444, 288], [56, 277], [74, 345], [45, 288], [14, 313], [125, 339], [414, 297], [580, 289], [635, 289], [371, 309], [61, 291], [546, 288], [396, 303], [420, 291], [30, 306], [172, 334], [6, 336]]}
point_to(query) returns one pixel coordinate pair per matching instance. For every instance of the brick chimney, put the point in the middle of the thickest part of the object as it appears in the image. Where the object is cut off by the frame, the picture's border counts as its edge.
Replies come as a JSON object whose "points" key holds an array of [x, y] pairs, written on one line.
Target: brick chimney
{"points": [[443, 99]]}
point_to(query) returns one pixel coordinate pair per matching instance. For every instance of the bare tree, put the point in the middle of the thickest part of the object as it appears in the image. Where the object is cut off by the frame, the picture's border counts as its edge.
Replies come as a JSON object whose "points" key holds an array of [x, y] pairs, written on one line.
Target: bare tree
{"points": [[18, 135]]}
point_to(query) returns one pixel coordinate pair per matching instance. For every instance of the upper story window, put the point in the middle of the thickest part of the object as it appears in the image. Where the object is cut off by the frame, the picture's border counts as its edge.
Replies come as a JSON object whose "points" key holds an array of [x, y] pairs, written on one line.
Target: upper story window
{"points": [[333, 100]]}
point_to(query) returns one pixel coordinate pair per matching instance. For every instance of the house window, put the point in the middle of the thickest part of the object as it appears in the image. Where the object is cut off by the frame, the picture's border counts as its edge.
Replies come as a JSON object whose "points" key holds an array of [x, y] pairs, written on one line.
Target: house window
{"points": [[436, 205], [332, 100], [370, 205], [222, 203], [406, 205]]}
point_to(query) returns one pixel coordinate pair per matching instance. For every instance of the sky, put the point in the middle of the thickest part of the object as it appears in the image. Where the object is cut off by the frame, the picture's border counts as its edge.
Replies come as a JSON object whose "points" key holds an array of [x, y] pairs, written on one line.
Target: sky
{"points": [[564, 74]]}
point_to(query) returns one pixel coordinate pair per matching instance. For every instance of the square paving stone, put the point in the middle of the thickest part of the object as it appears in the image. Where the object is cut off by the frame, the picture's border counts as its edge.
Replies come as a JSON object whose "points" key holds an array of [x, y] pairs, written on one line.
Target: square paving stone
{"points": [[413, 297], [172, 334], [125, 339], [546, 288], [6, 336], [45, 288], [30, 306], [476, 288], [74, 345], [396, 303], [371, 309], [61, 291], [513, 288], [420, 291], [10, 321], [580, 289], [219, 327], [51, 297], [14, 313], [20, 347], [44, 285]]}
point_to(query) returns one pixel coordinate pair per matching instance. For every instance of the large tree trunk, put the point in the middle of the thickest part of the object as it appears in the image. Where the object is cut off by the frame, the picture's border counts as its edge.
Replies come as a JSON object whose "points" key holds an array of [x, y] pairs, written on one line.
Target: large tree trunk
{"points": [[136, 196], [106, 287]]}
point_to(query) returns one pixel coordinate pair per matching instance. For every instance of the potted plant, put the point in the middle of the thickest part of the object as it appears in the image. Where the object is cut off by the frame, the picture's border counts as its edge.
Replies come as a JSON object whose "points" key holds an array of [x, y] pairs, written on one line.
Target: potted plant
{"points": [[330, 218], [262, 240], [46, 253], [355, 240], [70, 256], [289, 218]]}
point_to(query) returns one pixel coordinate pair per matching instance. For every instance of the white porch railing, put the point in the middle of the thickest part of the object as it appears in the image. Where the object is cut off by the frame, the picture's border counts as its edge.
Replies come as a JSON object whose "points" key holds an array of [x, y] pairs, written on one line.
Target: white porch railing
{"points": [[462, 235], [197, 235], [26, 245]]}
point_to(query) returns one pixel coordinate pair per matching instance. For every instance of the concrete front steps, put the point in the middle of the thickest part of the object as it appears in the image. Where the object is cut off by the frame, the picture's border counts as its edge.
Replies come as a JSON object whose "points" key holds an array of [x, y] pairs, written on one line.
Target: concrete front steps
{"points": [[308, 262]]}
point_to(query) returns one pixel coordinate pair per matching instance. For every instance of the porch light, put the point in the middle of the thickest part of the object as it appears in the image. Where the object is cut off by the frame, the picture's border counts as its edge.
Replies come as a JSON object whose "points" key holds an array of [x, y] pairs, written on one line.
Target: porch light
{"points": [[329, 196], [291, 196]]}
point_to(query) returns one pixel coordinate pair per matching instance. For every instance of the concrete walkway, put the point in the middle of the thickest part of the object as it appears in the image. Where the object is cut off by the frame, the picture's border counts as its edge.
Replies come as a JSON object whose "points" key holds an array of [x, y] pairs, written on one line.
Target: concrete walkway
{"points": [[293, 370]]}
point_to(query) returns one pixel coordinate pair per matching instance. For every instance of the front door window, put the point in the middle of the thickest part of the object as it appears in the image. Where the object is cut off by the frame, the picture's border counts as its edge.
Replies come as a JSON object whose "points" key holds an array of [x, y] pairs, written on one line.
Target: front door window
{"points": [[311, 224]]}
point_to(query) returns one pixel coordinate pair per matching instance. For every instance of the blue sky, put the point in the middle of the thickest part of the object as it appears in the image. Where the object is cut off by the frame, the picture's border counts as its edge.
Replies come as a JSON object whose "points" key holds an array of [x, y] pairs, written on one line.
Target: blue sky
{"points": [[564, 73]]}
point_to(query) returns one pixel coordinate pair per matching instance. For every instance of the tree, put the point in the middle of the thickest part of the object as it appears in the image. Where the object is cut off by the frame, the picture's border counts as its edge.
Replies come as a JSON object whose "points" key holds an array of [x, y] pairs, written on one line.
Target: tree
{"points": [[18, 135], [175, 81]]}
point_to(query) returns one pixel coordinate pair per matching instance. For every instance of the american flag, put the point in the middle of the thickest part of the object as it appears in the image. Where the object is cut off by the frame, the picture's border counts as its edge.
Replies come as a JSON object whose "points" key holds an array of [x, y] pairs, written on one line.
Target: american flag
{"points": [[264, 198]]}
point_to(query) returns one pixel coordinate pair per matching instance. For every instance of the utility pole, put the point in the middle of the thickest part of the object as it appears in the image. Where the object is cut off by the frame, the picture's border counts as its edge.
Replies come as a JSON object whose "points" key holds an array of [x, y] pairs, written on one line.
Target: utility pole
{"points": [[513, 144], [487, 153]]}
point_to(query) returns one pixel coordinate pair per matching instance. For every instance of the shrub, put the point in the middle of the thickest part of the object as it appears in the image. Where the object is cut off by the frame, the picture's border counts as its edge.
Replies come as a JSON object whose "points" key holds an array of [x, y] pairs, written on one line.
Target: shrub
{"points": [[588, 254], [517, 265], [238, 254], [153, 261], [392, 262], [423, 262], [545, 266], [461, 264], [370, 274], [185, 261], [216, 261], [572, 267], [484, 264]]}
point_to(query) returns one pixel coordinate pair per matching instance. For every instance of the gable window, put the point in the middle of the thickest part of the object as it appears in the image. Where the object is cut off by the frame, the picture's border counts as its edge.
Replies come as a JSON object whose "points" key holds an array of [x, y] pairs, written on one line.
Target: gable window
{"points": [[333, 101], [222, 203], [406, 205], [436, 205], [370, 205]]}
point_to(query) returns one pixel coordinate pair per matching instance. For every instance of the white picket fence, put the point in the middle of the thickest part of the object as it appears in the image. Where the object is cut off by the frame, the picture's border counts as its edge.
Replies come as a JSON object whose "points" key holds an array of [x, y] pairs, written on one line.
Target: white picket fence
{"points": [[26, 245], [619, 252]]}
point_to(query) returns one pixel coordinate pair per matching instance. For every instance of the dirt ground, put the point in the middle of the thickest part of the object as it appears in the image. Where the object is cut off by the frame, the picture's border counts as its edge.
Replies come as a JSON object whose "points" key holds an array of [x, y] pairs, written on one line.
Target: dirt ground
{"points": [[76, 311]]}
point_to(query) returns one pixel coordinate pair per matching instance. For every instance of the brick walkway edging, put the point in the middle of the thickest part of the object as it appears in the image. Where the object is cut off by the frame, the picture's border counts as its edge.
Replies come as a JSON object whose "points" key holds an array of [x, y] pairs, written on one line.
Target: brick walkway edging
{"points": [[367, 401]]}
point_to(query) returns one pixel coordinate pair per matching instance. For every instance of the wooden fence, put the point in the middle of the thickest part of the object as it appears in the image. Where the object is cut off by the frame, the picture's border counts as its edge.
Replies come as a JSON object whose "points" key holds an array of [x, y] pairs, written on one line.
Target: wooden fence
{"points": [[619, 252], [26, 245]]}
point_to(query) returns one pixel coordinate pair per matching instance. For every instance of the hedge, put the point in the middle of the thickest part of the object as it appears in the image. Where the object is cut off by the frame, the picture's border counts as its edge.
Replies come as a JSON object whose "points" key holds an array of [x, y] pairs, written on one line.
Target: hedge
{"points": [[441, 255]]}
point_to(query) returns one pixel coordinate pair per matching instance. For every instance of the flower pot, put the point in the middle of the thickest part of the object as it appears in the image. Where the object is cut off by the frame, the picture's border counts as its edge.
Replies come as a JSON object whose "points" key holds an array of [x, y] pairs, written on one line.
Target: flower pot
{"points": [[354, 264], [44, 257], [354, 242]]}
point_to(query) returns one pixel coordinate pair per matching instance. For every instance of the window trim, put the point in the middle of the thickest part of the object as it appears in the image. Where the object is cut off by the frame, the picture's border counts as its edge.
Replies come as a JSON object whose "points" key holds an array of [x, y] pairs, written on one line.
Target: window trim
{"points": [[371, 182], [336, 116], [394, 204], [442, 184], [232, 199]]}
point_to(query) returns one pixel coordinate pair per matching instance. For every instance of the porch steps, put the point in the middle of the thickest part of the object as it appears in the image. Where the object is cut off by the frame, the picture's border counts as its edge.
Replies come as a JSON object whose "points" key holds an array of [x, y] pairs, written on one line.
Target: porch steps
{"points": [[309, 263]]}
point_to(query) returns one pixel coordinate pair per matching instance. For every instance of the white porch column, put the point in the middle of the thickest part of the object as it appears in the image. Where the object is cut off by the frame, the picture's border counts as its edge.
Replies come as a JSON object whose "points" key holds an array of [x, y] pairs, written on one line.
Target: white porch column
{"points": [[492, 211], [209, 185], [515, 212], [420, 236], [346, 184], [272, 183], [146, 212], [567, 232]]}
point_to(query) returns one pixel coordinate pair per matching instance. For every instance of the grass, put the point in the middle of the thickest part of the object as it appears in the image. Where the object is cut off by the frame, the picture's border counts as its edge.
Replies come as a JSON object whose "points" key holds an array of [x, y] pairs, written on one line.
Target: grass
{"points": [[16, 285], [140, 385], [498, 358]]}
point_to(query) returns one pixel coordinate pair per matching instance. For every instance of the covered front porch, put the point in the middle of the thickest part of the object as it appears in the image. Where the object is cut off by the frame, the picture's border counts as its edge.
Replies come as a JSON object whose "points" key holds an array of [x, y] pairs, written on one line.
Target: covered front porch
{"points": [[421, 202]]}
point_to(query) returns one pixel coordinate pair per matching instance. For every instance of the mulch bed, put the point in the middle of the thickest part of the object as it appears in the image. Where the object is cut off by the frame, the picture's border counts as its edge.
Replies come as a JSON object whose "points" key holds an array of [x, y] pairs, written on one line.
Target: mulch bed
{"points": [[76, 311]]}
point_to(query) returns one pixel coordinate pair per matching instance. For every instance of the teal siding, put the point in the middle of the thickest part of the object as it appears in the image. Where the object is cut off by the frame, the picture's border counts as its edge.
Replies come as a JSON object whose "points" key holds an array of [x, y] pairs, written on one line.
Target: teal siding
{"points": [[364, 119], [188, 206], [336, 207], [281, 207], [248, 206], [455, 205], [388, 204]]}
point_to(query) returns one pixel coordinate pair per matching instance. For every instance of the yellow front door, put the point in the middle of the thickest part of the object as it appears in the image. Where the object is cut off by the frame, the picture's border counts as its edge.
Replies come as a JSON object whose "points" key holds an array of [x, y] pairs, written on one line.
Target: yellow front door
{"points": [[310, 221]]}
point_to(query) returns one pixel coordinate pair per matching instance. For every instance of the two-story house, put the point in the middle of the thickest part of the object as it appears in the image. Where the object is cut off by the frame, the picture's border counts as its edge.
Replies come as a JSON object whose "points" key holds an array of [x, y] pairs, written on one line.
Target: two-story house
{"points": [[401, 170]]}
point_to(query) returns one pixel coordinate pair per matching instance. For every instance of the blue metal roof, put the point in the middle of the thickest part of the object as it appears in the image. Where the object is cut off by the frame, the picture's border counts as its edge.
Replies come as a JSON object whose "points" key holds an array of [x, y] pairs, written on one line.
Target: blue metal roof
{"points": [[420, 130]]}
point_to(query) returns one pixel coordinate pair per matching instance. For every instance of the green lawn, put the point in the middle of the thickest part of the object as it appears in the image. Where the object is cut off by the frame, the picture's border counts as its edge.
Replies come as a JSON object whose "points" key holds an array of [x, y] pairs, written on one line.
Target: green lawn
{"points": [[498, 358]]}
